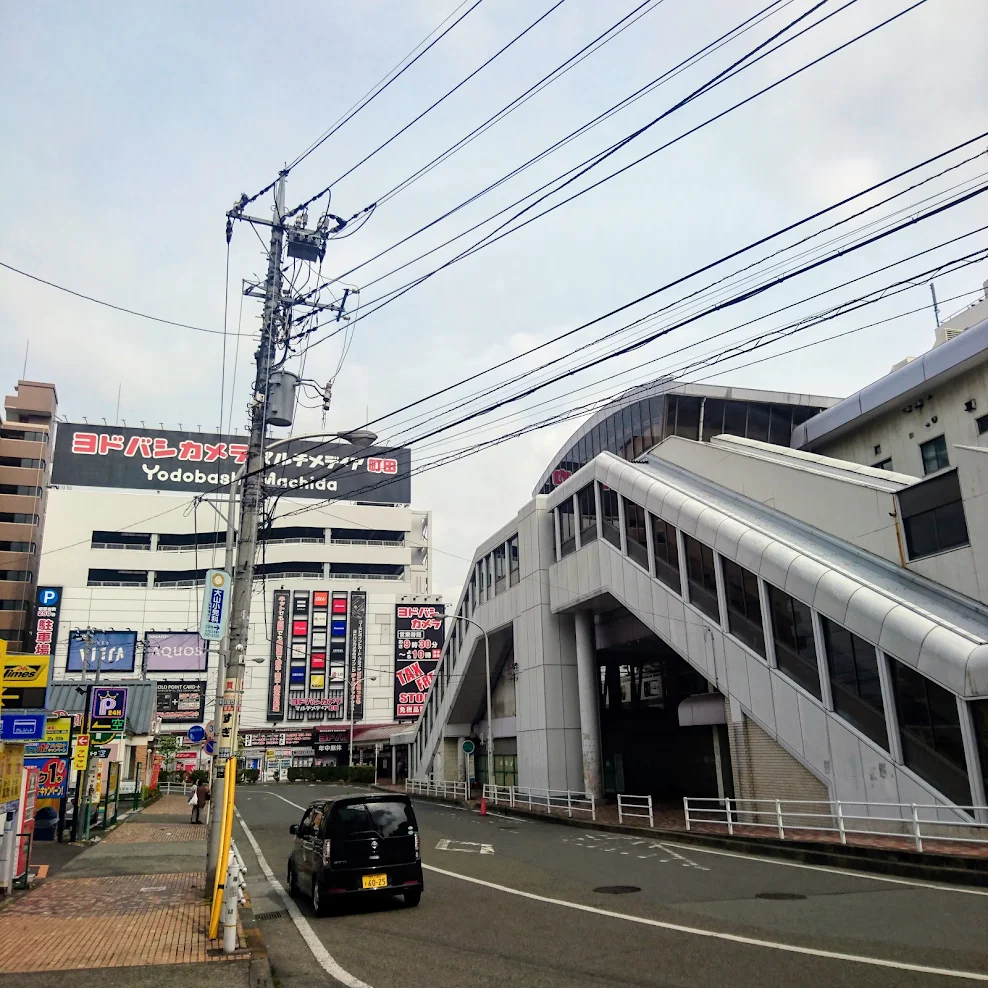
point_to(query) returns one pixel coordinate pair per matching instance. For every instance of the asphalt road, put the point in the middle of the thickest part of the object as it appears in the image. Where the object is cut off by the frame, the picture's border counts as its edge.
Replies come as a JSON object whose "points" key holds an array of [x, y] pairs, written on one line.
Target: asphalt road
{"points": [[699, 918]]}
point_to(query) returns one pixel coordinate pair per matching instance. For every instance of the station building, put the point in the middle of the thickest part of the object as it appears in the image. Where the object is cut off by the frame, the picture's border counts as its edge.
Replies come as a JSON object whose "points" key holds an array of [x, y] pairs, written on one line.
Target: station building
{"points": [[777, 596]]}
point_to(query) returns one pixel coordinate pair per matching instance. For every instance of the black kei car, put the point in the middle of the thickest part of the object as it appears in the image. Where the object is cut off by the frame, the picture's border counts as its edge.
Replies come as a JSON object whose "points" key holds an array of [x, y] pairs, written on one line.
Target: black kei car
{"points": [[355, 846]]}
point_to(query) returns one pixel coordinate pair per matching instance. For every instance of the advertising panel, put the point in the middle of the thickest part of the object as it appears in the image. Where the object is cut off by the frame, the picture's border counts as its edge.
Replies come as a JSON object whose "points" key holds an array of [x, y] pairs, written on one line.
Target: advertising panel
{"points": [[108, 708], [175, 651], [108, 651], [53, 776], [279, 636], [23, 680], [167, 460], [358, 634], [179, 702], [55, 742], [215, 605], [47, 605], [420, 633]]}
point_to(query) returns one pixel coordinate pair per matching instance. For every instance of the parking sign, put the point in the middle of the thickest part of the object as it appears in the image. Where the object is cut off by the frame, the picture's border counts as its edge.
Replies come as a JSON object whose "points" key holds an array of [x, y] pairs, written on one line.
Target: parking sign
{"points": [[108, 708]]}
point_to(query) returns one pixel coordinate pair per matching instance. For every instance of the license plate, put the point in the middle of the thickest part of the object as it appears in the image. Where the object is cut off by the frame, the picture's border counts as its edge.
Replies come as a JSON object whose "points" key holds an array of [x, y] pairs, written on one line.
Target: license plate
{"points": [[375, 881]]}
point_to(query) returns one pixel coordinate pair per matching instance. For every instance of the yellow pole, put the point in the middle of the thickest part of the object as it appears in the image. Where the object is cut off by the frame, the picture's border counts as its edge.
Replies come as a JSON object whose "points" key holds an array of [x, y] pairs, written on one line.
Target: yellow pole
{"points": [[226, 832]]}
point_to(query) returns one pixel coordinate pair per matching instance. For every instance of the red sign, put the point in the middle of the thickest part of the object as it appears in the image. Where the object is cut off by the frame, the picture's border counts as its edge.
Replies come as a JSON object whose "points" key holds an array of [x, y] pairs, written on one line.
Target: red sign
{"points": [[339, 605], [300, 628], [320, 598], [25, 820]]}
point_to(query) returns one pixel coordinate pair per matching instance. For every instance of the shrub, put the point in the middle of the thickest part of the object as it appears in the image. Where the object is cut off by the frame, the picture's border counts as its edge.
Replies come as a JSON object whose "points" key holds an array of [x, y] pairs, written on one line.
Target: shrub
{"points": [[199, 775], [360, 774], [250, 775]]}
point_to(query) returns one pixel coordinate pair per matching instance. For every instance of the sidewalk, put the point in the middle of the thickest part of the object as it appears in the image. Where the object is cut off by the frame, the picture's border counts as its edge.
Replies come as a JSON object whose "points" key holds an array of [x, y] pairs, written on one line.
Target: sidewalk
{"points": [[133, 900]]}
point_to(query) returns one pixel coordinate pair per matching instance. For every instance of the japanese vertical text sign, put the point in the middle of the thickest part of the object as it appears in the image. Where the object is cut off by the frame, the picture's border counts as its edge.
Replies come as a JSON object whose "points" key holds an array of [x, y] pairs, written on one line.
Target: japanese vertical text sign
{"points": [[108, 708], [215, 605], [279, 635], [47, 604], [420, 633], [358, 634]]}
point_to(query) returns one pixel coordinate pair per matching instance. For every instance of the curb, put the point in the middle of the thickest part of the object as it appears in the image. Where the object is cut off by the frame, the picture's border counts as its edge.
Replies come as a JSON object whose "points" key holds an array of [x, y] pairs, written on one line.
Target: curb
{"points": [[948, 869], [259, 973]]}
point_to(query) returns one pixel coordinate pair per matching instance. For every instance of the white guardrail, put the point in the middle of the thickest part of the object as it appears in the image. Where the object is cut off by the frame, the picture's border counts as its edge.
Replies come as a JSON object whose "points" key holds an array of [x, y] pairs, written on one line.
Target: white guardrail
{"points": [[549, 799], [444, 790], [635, 806], [914, 821]]}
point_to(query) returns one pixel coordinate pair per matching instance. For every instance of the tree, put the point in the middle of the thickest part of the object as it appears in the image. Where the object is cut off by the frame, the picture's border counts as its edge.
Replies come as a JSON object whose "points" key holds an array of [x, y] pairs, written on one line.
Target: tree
{"points": [[167, 747]]}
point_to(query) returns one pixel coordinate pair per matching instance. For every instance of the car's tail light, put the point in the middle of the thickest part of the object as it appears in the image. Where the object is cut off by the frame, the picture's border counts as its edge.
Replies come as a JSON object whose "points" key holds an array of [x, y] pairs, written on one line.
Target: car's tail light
{"points": [[417, 846], [326, 852]]}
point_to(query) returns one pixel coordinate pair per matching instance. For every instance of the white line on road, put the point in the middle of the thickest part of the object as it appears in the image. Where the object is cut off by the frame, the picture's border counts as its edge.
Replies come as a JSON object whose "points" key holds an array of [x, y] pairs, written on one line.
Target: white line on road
{"points": [[717, 935], [319, 951]]}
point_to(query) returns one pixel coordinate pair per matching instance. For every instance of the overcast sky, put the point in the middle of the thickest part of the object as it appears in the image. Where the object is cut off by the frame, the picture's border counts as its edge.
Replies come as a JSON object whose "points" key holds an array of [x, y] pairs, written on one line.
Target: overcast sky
{"points": [[129, 130]]}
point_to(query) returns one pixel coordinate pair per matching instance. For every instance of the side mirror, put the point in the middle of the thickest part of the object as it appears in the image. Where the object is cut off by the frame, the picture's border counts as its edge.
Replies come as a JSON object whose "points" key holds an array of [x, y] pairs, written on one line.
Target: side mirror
{"points": [[293, 829]]}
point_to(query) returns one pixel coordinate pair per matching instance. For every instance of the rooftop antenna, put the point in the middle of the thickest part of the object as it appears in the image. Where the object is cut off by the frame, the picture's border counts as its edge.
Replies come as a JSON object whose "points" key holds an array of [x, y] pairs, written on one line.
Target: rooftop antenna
{"points": [[27, 350], [116, 418], [936, 308]]}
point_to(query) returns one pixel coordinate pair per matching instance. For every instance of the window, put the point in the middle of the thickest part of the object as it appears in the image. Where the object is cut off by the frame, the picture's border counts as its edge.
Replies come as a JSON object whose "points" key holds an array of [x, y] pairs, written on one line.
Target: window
{"points": [[15, 575], [634, 530], [688, 417], [567, 527], [700, 576], [795, 650], [934, 453], [500, 570], [758, 416], [656, 414], [736, 418], [885, 464], [609, 519], [665, 553], [17, 461], [16, 546], [587, 508], [609, 425], [982, 423], [472, 595], [20, 489], [637, 443], [14, 605], [36, 437], [118, 578], [780, 425], [930, 728], [933, 515], [744, 610], [18, 518], [853, 668], [713, 418], [979, 713], [140, 540], [514, 562]]}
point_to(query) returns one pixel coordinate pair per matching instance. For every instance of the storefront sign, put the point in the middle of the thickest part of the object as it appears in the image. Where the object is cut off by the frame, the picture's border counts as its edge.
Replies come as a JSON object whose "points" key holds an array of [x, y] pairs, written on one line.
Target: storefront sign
{"points": [[23, 680], [420, 633], [80, 757], [308, 704], [55, 741], [180, 701], [108, 708], [262, 739], [279, 635], [53, 776], [19, 728], [175, 651], [47, 606], [108, 651], [358, 629]]}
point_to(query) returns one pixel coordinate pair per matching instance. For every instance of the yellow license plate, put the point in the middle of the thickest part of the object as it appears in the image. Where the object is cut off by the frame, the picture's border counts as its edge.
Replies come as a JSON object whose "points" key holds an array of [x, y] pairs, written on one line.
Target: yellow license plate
{"points": [[375, 881]]}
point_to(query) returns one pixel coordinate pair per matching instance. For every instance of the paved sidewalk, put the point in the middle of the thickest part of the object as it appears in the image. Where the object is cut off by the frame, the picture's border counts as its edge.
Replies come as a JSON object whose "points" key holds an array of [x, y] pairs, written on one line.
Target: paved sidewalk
{"points": [[133, 900]]}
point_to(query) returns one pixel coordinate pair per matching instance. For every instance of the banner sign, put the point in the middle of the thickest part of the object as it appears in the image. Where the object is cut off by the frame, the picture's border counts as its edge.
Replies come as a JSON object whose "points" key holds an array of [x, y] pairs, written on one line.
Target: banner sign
{"points": [[180, 701], [53, 776], [266, 739], [47, 605], [108, 651], [108, 708], [19, 728], [80, 757], [167, 460], [358, 634], [420, 633], [215, 605], [55, 742], [175, 651], [23, 680], [279, 636]]}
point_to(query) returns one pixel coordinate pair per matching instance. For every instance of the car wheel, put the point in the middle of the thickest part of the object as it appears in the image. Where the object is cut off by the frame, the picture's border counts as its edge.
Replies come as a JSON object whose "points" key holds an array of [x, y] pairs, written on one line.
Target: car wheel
{"points": [[412, 898], [292, 880], [318, 906]]}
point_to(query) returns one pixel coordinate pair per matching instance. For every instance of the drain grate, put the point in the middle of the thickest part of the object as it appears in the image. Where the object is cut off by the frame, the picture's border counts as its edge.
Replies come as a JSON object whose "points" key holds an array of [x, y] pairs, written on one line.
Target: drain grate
{"points": [[277, 914], [781, 896], [617, 889]]}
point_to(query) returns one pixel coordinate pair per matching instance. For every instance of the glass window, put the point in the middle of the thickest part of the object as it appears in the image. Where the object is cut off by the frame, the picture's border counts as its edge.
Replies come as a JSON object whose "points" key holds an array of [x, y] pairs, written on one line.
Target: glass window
{"points": [[795, 649], [587, 508], [609, 518], [982, 423], [472, 595], [688, 417], [672, 404], [934, 454], [744, 610], [637, 441], [736, 418], [713, 418], [930, 728], [610, 425], [801, 413], [780, 425], [500, 570], [885, 464], [514, 561], [567, 527], [933, 515], [758, 416], [665, 553], [857, 692], [656, 415], [582, 456], [599, 439], [700, 576], [979, 712], [634, 530], [481, 581], [625, 443]]}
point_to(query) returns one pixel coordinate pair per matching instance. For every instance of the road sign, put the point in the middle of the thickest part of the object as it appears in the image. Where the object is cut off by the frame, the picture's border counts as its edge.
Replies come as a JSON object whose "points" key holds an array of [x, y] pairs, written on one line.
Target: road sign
{"points": [[196, 734], [102, 752], [210, 730], [22, 727], [108, 709], [215, 605], [81, 758], [468, 747], [23, 679]]}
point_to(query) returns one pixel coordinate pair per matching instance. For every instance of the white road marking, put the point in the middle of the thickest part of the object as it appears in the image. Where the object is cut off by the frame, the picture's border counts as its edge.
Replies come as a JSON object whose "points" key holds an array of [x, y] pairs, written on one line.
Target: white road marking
{"points": [[590, 842], [466, 846], [319, 951], [686, 863], [717, 935]]}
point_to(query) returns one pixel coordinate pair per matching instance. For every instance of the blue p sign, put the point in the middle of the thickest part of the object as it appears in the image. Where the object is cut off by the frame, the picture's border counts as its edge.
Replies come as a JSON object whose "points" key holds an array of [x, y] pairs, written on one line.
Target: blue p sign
{"points": [[48, 596]]}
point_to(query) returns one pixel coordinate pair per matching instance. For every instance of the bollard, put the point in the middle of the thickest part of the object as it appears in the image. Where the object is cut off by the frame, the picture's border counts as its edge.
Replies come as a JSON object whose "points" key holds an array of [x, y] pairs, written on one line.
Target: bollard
{"points": [[231, 893]]}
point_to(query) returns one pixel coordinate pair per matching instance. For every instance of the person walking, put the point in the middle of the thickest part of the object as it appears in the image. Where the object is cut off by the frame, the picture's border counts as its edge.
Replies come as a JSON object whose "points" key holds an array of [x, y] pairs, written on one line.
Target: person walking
{"points": [[199, 799]]}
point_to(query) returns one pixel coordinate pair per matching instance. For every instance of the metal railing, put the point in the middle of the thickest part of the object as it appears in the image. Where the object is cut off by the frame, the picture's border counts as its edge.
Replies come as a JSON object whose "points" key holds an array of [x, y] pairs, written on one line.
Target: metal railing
{"points": [[548, 799], [121, 545], [794, 818], [391, 543], [333, 575], [632, 806], [444, 790]]}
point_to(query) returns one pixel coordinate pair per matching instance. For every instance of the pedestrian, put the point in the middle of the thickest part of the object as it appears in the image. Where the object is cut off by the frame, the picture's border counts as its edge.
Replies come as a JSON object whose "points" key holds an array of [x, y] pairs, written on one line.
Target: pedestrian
{"points": [[198, 800]]}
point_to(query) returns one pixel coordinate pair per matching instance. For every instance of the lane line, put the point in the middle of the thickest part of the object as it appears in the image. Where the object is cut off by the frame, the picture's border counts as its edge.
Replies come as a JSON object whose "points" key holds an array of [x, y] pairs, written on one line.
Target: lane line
{"points": [[716, 935], [325, 959]]}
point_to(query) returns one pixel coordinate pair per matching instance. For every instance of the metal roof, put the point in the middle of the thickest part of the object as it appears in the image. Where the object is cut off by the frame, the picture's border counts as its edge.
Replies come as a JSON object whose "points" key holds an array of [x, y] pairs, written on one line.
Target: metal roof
{"points": [[384, 733], [140, 701]]}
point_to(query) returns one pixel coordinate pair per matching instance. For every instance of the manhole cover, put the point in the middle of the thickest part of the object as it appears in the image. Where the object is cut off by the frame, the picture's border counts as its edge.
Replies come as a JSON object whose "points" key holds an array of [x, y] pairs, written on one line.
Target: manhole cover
{"points": [[277, 914], [617, 889], [781, 896]]}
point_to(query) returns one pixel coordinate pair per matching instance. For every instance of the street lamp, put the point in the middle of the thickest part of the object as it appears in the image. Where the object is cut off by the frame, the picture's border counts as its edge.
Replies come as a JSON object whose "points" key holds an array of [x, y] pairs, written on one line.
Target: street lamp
{"points": [[490, 705], [353, 697]]}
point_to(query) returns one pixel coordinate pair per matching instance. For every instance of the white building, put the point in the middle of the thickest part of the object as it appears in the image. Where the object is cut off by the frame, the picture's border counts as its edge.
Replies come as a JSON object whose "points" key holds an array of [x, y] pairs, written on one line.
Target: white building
{"points": [[738, 616]]}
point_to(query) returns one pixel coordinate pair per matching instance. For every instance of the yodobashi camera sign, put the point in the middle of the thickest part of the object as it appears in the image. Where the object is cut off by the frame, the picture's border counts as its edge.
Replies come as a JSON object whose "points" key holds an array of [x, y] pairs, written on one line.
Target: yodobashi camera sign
{"points": [[168, 460]]}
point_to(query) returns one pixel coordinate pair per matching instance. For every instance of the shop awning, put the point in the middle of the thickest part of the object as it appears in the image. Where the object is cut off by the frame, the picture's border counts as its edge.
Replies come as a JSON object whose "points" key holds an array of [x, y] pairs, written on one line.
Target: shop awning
{"points": [[387, 734]]}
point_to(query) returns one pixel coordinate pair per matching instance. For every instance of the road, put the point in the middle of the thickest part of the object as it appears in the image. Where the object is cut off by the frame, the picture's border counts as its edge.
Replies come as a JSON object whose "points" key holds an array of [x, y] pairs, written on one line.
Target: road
{"points": [[512, 902]]}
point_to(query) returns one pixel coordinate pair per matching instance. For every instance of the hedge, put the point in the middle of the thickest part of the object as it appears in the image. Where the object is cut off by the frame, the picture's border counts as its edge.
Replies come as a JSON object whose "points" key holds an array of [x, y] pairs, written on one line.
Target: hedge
{"points": [[363, 774]]}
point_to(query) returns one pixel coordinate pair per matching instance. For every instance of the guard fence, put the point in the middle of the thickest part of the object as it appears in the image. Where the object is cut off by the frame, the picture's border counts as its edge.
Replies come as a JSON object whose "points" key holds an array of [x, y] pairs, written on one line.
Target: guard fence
{"points": [[442, 790], [840, 819], [638, 807], [548, 799]]}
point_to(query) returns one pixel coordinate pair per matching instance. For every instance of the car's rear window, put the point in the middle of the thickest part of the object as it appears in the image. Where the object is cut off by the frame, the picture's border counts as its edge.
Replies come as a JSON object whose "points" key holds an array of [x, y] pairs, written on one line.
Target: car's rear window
{"points": [[385, 819]]}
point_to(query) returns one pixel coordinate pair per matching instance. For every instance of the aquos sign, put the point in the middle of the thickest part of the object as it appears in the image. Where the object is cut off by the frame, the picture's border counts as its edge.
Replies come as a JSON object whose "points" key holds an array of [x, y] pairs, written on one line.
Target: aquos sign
{"points": [[166, 460]]}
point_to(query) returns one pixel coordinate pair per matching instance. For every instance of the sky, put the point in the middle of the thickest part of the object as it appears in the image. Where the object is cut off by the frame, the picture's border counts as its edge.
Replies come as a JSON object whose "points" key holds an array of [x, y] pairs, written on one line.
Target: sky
{"points": [[130, 129]]}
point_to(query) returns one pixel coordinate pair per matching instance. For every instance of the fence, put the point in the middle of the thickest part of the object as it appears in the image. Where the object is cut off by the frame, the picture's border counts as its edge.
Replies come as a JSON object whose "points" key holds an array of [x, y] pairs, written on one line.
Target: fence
{"points": [[914, 822], [445, 790], [631, 806], [547, 799]]}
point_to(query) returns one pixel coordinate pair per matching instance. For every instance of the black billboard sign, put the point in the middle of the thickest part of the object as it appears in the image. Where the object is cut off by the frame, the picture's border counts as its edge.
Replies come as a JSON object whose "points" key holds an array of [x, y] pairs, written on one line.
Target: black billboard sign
{"points": [[358, 636], [420, 632], [279, 638], [179, 702], [47, 606], [166, 460]]}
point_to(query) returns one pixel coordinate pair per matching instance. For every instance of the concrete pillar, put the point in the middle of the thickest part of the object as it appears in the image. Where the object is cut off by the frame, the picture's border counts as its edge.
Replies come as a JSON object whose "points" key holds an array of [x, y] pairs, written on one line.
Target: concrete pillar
{"points": [[461, 761], [589, 681]]}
